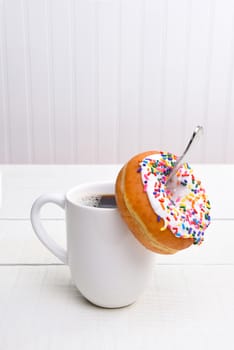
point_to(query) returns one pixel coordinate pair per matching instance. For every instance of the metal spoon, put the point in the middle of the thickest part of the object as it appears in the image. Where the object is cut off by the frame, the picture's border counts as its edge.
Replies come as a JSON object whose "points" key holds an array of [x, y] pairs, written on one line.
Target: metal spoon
{"points": [[197, 132]]}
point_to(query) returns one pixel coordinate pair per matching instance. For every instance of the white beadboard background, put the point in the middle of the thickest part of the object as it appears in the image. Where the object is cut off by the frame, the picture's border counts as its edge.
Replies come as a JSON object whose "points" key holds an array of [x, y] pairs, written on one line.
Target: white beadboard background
{"points": [[96, 81]]}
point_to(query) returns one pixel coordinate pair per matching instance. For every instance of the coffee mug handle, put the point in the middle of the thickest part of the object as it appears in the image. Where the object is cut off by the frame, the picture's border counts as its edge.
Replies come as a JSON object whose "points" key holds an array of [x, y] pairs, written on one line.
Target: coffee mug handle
{"points": [[41, 233]]}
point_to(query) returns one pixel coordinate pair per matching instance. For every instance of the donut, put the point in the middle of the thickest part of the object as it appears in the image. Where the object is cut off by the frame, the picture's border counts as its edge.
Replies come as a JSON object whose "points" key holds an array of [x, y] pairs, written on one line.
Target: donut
{"points": [[163, 218]]}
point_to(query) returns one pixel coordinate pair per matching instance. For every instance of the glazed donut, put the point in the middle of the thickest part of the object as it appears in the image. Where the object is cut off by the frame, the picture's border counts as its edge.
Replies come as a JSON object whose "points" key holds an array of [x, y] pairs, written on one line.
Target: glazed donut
{"points": [[163, 220]]}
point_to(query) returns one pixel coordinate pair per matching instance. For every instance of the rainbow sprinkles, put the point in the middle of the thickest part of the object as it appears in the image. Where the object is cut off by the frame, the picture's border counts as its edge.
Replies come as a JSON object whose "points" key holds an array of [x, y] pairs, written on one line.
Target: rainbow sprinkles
{"points": [[186, 211]]}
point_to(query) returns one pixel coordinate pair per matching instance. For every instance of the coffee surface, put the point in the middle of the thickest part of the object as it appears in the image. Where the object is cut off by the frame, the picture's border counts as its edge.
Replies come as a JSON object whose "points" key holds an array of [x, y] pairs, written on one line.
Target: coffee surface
{"points": [[107, 201], [100, 201]]}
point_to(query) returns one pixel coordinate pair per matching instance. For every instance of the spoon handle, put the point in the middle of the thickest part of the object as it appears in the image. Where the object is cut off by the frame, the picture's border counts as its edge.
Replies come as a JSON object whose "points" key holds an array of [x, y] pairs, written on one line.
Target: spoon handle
{"points": [[197, 132]]}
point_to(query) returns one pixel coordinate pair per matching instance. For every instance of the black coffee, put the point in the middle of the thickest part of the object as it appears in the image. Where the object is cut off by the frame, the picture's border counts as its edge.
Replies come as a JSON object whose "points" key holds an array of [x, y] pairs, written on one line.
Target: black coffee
{"points": [[107, 201], [100, 201]]}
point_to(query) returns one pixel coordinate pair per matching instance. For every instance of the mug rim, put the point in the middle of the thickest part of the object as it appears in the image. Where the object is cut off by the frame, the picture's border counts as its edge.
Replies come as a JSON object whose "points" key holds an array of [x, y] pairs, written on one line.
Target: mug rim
{"points": [[87, 185]]}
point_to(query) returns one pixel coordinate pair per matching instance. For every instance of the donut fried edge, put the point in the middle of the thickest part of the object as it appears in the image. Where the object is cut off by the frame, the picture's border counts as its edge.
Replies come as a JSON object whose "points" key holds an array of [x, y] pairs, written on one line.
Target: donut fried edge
{"points": [[130, 219]]}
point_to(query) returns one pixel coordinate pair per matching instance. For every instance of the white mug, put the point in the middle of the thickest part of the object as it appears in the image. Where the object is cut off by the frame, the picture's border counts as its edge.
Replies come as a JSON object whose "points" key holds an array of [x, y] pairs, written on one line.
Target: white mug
{"points": [[108, 265]]}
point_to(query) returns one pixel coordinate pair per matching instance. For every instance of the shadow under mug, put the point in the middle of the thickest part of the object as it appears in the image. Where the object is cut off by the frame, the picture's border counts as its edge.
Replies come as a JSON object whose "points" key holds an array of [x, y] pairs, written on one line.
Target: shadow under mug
{"points": [[108, 265]]}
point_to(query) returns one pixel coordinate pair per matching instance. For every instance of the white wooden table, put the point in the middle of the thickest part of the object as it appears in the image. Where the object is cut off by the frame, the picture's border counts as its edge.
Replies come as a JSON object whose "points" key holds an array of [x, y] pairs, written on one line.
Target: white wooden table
{"points": [[189, 304]]}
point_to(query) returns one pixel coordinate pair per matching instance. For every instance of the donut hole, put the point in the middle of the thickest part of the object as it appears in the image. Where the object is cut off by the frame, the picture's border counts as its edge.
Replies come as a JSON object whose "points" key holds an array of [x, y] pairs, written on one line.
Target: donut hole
{"points": [[175, 193]]}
